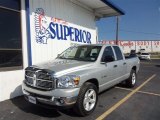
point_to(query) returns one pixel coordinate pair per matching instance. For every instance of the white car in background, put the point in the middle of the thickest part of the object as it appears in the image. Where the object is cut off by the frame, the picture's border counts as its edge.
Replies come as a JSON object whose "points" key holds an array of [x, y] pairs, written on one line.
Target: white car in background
{"points": [[145, 56]]}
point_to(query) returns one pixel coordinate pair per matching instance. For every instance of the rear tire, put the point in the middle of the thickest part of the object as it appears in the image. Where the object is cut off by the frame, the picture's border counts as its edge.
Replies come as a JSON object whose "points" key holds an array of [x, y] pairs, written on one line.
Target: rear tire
{"points": [[131, 81], [87, 99]]}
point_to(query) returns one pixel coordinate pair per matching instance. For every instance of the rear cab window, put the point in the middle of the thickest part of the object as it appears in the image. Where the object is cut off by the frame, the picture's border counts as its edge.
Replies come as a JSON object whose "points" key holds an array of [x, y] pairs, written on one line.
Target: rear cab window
{"points": [[118, 53]]}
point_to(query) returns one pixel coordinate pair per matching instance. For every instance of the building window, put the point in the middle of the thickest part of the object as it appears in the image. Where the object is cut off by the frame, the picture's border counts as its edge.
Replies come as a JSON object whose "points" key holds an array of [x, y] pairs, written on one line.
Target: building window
{"points": [[10, 35]]}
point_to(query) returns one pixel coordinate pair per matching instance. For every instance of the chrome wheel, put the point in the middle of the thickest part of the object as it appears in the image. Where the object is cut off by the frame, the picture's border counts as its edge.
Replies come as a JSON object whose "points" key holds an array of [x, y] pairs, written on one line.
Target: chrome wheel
{"points": [[133, 78], [131, 81], [89, 100]]}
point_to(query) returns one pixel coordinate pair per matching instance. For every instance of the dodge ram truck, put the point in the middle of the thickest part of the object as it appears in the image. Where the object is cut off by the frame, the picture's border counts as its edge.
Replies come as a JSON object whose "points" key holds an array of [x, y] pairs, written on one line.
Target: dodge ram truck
{"points": [[77, 75]]}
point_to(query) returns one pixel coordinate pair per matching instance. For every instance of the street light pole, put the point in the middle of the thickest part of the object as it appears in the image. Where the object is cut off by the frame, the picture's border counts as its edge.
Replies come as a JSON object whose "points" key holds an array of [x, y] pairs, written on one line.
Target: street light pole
{"points": [[117, 29]]}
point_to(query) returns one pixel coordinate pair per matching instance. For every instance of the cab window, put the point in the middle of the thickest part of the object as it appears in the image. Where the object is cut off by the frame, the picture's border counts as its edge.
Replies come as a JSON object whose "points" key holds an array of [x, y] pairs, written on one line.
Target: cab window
{"points": [[118, 53], [108, 55]]}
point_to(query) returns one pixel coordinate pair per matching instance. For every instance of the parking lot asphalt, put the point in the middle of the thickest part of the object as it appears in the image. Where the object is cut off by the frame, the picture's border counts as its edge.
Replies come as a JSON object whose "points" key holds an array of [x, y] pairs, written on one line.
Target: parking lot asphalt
{"points": [[117, 103]]}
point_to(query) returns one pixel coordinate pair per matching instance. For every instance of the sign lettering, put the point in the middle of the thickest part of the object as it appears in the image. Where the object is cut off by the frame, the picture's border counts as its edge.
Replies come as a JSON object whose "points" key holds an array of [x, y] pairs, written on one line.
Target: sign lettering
{"points": [[55, 28]]}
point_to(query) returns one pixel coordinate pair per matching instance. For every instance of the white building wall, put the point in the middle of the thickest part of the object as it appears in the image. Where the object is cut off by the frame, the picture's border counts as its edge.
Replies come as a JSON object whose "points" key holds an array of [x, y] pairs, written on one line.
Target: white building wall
{"points": [[62, 12], [156, 46], [127, 45], [144, 45], [10, 81]]}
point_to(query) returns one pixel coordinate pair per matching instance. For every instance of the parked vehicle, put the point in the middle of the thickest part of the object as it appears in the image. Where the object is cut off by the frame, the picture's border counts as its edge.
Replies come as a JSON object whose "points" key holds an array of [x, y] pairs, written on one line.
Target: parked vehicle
{"points": [[142, 50], [133, 53], [145, 56], [76, 76]]}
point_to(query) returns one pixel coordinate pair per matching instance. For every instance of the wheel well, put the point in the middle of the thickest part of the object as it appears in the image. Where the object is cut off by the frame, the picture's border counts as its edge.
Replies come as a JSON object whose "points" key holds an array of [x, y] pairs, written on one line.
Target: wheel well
{"points": [[94, 81], [134, 68]]}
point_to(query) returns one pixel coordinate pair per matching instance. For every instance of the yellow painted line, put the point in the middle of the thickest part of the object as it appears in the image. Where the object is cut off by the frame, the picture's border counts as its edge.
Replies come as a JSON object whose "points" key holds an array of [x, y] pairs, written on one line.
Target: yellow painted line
{"points": [[148, 93], [105, 114]]}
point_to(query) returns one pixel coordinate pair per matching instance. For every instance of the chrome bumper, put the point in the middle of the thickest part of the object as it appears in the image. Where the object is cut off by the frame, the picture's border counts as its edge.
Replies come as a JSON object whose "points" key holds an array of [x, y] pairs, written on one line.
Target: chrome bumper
{"points": [[57, 97]]}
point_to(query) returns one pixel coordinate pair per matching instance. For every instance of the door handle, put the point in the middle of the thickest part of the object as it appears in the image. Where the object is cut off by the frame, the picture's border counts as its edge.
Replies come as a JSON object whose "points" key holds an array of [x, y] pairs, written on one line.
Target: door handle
{"points": [[115, 66], [124, 63]]}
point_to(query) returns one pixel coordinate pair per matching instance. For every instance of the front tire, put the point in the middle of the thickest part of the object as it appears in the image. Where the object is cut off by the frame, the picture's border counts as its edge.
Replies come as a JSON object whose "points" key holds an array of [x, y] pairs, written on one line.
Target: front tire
{"points": [[87, 99], [131, 81]]}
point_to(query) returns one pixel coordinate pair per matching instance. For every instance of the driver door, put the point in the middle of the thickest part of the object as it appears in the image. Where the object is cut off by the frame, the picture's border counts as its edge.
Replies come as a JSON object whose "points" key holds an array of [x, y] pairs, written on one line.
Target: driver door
{"points": [[109, 70]]}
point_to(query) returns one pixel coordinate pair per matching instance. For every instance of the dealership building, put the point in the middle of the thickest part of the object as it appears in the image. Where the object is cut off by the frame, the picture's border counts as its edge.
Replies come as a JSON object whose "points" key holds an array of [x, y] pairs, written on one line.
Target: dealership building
{"points": [[151, 46], [35, 31]]}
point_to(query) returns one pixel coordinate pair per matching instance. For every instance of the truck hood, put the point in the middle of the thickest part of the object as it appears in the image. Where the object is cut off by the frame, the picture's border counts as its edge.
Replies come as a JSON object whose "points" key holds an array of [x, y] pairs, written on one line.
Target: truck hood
{"points": [[62, 66]]}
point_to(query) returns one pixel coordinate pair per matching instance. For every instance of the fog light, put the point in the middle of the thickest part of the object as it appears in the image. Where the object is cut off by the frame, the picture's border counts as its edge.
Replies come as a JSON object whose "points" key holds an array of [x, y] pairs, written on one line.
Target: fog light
{"points": [[25, 92]]}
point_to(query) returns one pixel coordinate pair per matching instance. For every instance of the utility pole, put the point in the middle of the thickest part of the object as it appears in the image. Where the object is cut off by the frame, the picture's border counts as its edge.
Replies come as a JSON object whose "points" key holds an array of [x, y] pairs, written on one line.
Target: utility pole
{"points": [[117, 29]]}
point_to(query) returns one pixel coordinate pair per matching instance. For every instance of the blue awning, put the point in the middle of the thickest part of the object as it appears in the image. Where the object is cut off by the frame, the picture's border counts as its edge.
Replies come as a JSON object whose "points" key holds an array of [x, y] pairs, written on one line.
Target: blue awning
{"points": [[101, 8]]}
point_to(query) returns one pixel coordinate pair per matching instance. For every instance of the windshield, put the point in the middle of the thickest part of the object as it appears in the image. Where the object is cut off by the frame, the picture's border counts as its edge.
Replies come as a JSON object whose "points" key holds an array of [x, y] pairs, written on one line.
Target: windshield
{"points": [[83, 53]]}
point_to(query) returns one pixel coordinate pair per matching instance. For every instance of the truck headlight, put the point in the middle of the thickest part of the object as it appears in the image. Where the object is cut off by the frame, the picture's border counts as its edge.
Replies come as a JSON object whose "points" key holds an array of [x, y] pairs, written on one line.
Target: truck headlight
{"points": [[68, 81]]}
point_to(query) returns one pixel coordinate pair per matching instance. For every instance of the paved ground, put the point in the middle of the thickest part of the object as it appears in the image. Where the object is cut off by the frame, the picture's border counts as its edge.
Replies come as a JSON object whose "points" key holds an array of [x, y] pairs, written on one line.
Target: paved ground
{"points": [[117, 103]]}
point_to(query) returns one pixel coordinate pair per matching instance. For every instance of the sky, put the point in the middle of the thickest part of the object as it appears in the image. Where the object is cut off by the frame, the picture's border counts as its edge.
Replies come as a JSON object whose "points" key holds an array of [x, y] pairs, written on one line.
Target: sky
{"points": [[140, 22]]}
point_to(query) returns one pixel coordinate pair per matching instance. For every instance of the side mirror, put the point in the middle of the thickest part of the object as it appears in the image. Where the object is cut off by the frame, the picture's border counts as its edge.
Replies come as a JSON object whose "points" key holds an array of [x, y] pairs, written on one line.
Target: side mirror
{"points": [[108, 58], [58, 55]]}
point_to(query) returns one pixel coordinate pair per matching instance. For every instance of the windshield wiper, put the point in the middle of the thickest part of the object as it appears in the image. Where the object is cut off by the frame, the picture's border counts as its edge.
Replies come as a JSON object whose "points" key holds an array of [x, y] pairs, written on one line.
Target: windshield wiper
{"points": [[62, 58]]}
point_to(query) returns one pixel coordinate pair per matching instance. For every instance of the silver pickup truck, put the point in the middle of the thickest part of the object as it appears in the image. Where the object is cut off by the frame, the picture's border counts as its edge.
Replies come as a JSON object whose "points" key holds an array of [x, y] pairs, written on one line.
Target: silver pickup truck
{"points": [[77, 75]]}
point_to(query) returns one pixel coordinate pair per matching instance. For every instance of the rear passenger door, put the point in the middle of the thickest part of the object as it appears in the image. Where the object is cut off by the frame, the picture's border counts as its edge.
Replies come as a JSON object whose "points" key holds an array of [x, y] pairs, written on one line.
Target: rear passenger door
{"points": [[120, 62]]}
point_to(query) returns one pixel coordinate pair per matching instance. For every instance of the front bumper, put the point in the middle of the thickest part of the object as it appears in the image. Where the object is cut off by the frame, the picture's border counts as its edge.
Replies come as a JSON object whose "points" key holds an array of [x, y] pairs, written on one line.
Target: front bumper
{"points": [[56, 97], [145, 57]]}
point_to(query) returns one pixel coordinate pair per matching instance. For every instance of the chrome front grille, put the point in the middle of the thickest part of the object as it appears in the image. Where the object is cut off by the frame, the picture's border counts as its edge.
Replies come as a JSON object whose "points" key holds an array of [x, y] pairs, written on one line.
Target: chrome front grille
{"points": [[43, 75], [39, 79], [29, 80], [29, 73], [44, 84]]}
